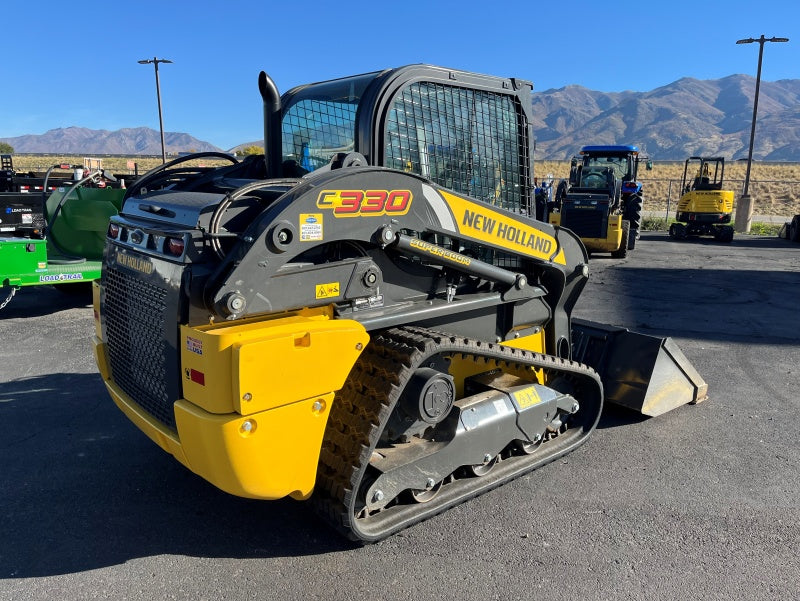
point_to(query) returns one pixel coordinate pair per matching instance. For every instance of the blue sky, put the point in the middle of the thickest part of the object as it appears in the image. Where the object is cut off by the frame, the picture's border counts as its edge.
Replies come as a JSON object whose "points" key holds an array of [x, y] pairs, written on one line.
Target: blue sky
{"points": [[77, 65]]}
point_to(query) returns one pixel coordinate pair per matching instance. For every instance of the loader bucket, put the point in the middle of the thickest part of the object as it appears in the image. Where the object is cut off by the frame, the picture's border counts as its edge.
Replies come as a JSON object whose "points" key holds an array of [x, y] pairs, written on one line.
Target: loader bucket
{"points": [[645, 373]]}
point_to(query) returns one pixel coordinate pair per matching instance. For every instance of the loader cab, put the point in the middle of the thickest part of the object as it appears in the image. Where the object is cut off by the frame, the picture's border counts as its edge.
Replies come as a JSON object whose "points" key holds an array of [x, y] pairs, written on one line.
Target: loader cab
{"points": [[467, 132]]}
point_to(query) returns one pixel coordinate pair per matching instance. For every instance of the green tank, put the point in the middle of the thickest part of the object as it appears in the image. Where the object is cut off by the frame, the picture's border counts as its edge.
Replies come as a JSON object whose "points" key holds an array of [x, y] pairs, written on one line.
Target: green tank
{"points": [[68, 251], [78, 225]]}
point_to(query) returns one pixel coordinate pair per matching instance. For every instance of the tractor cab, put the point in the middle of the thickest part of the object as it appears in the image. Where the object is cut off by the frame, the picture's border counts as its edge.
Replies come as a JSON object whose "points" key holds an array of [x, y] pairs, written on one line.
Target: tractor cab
{"points": [[602, 200]]}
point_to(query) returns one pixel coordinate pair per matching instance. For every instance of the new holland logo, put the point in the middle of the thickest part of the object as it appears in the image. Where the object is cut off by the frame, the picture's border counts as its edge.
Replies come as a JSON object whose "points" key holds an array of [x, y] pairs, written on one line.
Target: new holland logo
{"points": [[135, 263]]}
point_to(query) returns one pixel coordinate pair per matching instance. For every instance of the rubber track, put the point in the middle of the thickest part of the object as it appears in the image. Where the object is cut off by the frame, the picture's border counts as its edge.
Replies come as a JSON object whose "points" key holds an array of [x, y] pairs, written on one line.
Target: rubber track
{"points": [[362, 408]]}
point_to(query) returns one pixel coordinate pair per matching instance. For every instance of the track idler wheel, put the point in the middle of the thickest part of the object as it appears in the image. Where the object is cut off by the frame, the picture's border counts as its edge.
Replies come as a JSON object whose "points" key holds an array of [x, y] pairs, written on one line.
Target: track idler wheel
{"points": [[481, 469], [423, 495], [529, 447], [426, 401]]}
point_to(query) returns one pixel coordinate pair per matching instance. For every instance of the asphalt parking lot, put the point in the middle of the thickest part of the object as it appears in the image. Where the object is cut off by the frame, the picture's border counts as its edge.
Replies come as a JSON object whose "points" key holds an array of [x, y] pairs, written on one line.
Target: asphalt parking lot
{"points": [[701, 502]]}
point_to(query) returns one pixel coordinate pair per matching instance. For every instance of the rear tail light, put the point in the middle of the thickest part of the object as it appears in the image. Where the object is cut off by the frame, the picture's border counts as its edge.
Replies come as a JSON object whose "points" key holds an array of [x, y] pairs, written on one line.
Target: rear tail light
{"points": [[175, 246], [113, 231]]}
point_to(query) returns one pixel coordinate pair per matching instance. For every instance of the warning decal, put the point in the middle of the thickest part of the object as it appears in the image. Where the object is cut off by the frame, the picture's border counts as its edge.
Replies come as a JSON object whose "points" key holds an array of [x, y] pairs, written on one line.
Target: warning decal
{"points": [[330, 290]]}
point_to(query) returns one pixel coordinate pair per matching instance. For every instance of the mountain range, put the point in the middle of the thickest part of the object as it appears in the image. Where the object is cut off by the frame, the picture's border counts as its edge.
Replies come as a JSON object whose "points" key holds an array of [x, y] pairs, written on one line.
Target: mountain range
{"points": [[686, 117], [127, 141]]}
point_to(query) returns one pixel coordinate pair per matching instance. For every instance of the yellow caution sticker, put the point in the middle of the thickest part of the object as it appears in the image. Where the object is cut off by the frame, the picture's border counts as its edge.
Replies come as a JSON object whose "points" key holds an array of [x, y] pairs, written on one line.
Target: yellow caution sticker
{"points": [[527, 397], [330, 290]]}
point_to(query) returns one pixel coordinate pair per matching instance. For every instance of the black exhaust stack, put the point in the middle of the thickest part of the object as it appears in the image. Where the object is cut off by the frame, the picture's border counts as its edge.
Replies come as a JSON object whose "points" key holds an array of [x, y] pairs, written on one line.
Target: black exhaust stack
{"points": [[272, 125]]}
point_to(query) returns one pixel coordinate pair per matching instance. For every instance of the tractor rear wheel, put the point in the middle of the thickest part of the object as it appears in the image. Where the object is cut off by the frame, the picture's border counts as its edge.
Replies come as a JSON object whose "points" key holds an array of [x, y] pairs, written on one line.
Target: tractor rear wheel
{"points": [[794, 229], [622, 251], [633, 213]]}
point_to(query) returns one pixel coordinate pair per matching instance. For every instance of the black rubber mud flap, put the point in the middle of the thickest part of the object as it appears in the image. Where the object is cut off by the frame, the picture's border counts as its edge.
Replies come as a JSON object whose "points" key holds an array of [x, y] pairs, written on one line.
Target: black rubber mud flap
{"points": [[641, 372]]}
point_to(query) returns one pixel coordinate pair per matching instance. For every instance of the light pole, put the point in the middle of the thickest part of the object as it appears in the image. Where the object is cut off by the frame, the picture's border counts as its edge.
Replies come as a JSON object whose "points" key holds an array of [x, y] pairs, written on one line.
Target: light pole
{"points": [[744, 208], [155, 62]]}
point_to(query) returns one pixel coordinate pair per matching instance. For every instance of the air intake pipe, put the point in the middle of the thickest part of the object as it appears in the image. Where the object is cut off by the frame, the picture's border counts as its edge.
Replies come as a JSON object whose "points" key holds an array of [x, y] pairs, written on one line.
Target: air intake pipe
{"points": [[272, 125]]}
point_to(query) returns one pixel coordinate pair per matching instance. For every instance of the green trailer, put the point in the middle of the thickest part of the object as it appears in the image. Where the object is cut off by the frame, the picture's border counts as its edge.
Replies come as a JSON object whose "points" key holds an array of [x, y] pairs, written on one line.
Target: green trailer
{"points": [[56, 240]]}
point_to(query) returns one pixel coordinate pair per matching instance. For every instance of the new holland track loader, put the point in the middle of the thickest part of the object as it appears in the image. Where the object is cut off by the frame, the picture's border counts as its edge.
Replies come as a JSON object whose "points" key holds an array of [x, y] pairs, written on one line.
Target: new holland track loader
{"points": [[367, 316]]}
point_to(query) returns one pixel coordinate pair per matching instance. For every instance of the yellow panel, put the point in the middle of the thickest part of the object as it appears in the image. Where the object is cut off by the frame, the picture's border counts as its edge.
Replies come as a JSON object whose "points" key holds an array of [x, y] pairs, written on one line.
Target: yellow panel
{"points": [[613, 237], [100, 357], [461, 368], [534, 343], [275, 360], [96, 306], [707, 201], [274, 455], [294, 362], [267, 455], [154, 429]]}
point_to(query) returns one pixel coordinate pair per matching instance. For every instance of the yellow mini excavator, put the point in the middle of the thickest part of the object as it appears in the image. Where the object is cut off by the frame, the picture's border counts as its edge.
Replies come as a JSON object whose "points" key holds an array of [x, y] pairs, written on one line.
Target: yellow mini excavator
{"points": [[705, 207]]}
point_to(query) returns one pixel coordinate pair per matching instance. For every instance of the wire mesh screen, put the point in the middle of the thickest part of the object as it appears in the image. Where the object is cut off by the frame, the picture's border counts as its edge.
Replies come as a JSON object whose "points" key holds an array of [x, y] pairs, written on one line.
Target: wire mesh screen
{"points": [[314, 130], [470, 141], [319, 121]]}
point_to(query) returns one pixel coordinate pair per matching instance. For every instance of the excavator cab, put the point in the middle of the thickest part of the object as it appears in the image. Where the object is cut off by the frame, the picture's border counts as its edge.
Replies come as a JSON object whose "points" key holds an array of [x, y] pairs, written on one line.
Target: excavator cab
{"points": [[705, 207]]}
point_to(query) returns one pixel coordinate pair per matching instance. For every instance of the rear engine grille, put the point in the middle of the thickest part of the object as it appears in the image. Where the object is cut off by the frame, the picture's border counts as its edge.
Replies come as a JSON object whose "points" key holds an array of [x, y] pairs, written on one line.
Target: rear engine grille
{"points": [[137, 348], [586, 223]]}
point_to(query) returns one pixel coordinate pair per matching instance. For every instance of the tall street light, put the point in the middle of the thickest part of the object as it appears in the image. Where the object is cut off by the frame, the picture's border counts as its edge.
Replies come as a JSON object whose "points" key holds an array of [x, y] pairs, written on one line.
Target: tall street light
{"points": [[155, 62], [744, 209]]}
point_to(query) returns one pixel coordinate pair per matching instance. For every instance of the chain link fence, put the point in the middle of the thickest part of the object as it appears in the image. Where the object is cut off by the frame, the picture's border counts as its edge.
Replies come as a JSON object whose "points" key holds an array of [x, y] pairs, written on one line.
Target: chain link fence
{"points": [[778, 199]]}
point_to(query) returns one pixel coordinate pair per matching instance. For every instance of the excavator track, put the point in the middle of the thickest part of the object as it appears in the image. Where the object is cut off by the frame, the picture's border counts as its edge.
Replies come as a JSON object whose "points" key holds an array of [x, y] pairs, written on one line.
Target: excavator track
{"points": [[363, 408]]}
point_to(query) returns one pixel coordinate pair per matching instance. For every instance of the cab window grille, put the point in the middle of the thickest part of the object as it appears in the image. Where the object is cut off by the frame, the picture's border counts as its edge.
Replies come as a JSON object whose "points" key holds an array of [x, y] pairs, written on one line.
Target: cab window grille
{"points": [[320, 121], [470, 141]]}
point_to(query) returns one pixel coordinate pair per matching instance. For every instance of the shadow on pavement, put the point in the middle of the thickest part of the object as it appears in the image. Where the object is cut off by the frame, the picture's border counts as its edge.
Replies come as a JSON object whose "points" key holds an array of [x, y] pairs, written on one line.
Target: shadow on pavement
{"points": [[35, 301], [82, 489], [700, 303], [739, 241]]}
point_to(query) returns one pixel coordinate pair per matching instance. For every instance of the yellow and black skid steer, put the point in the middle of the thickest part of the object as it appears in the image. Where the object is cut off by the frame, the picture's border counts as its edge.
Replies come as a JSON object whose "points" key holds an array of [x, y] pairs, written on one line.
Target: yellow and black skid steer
{"points": [[367, 316]]}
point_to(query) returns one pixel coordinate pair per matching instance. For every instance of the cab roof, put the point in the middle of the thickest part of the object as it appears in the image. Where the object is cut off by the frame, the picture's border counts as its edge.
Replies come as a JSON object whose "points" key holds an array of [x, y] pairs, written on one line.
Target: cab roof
{"points": [[621, 149]]}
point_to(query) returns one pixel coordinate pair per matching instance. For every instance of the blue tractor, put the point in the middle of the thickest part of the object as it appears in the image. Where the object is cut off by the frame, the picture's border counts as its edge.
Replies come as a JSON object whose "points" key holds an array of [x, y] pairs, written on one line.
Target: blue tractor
{"points": [[602, 200]]}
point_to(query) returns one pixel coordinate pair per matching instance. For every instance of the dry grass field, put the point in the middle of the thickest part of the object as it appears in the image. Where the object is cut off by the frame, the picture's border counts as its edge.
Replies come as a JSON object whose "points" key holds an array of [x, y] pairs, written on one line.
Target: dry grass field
{"points": [[774, 187], [117, 165]]}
